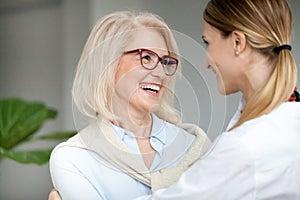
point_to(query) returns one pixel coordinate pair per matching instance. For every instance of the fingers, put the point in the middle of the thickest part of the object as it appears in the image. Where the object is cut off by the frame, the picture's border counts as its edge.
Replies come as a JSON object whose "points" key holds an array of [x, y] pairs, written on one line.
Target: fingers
{"points": [[54, 195]]}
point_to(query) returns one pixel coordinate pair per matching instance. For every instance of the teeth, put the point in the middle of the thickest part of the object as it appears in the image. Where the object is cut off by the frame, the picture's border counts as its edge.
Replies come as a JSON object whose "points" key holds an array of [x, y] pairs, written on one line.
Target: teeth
{"points": [[154, 88]]}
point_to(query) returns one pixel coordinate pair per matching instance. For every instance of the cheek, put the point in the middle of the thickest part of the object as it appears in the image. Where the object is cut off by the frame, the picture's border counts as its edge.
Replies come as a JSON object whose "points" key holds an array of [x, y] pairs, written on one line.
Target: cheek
{"points": [[222, 62], [224, 72], [228, 79], [127, 79], [124, 67]]}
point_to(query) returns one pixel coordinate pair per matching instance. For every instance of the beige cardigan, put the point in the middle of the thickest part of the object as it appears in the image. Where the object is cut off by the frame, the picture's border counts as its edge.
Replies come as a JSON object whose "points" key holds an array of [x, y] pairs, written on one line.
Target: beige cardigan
{"points": [[100, 138]]}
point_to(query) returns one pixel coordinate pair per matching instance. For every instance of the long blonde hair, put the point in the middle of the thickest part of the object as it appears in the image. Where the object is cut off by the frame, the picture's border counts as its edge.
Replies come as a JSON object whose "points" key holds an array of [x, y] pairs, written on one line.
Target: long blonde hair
{"points": [[94, 84], [267, 24]]}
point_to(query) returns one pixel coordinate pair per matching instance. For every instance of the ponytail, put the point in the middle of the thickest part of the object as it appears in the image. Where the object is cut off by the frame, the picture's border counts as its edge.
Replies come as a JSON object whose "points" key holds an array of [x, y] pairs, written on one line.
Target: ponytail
{"points": [[278, 89]]}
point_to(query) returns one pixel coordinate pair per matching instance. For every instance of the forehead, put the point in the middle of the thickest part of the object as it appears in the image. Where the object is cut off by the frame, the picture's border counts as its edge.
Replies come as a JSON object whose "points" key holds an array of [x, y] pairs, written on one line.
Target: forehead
{"points": [[209, 30], [147, 38]]}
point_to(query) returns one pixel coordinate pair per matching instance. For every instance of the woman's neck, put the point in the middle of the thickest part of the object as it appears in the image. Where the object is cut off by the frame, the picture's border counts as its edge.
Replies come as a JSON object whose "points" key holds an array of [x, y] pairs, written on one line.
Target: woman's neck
{"points": [[139, 123], [256, 75]]}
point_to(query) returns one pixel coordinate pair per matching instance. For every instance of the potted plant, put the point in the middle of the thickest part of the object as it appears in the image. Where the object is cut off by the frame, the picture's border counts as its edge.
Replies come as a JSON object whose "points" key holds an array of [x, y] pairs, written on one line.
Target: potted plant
{"points": [[20, 120]]}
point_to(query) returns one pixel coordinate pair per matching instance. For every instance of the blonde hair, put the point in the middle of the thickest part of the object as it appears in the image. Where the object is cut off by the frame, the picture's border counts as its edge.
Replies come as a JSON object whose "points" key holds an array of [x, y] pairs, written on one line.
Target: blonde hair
{"points": [[94, 84], [267, 24]]}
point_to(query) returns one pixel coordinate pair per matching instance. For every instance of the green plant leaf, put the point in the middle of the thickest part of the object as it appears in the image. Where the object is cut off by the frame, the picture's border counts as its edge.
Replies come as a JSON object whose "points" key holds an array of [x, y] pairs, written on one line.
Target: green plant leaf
{"points": [[39, 157], [55, 136], [20, 119]]}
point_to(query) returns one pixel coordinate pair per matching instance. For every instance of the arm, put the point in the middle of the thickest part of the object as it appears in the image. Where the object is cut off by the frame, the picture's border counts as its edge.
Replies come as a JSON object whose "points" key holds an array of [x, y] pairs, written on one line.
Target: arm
{"points": [[68, 171], [225, 173]]}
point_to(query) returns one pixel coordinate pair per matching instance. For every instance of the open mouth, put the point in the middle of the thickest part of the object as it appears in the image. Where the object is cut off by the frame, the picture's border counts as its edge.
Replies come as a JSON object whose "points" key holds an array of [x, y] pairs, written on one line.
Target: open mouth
{"points": [[150, 87]]}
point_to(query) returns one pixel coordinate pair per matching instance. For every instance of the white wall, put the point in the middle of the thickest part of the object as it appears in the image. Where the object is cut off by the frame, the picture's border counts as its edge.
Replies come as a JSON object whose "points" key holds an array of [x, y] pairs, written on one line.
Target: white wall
{"points": [[75, 30], [295, 5], [30, 68], [40, 47]]}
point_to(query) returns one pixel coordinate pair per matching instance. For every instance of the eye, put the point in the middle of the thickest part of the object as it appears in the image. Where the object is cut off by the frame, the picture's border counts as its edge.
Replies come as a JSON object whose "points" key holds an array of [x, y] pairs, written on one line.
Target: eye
{"points": [[169, 61], [205, 43], [147, 57]]}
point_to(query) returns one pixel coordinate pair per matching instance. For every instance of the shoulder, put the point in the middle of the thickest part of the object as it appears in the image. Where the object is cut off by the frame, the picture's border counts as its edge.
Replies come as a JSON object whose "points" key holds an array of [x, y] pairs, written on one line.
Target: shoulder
{"points": [[266, 134], [76, 141], [69, 156], [77, 161], [73, 150], [285, 117]]}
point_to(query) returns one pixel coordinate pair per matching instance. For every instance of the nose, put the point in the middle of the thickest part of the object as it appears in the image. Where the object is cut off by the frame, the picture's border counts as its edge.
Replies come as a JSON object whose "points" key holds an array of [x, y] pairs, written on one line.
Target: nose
{"points": [[158, 71]]}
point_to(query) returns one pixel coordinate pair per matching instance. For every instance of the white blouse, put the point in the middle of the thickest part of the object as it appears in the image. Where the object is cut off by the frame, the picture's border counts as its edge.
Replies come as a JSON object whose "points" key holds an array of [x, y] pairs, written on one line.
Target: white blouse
{"points": [[258, 160], [82, 174]]}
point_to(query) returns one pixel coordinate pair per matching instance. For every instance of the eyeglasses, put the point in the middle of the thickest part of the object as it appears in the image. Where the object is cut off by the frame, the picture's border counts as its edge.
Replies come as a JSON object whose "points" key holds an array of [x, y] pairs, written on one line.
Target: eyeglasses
{"points": [[150, 59]]}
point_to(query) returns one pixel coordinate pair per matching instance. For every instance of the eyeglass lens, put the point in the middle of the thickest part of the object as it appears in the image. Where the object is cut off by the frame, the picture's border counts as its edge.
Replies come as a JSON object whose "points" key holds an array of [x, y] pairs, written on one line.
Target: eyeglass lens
{"points": [[150, 59]]}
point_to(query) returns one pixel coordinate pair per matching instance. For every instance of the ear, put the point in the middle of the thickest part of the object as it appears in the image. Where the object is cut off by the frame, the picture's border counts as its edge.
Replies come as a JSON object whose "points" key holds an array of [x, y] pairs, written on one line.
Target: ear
{"points": [[239, 42]]}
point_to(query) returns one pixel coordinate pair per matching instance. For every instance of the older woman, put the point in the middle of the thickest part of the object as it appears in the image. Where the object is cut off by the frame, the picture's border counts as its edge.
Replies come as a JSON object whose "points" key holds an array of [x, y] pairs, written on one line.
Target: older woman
{"points": [[125, 81]]}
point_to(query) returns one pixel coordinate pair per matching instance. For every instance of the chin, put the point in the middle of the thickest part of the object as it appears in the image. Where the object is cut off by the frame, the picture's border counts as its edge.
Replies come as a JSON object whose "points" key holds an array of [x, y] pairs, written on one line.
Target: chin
{"points": [[154, 107], [221, 89], [222, 92], [225, 92], [147, 108]]}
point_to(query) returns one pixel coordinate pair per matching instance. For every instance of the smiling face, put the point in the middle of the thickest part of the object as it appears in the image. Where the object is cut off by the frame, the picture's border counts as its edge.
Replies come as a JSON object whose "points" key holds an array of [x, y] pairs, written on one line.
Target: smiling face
{"points": [[137, 88], [221, 58]]}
